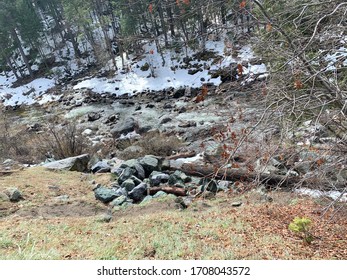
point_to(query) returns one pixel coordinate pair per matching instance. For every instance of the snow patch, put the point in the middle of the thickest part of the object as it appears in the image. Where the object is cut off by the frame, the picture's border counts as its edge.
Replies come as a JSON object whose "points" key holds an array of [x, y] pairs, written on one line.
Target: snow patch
{"points": [[335, 195]]}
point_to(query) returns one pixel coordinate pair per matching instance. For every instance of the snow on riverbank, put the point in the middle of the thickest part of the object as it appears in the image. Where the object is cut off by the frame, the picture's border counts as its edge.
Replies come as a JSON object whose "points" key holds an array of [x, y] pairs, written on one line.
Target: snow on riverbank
{"points": [[26, 94]]}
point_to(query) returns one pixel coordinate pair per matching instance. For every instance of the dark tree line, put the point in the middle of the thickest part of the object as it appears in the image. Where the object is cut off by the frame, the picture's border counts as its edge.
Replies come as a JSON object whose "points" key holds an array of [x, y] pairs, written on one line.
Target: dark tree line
{"points": [[31, 30]]}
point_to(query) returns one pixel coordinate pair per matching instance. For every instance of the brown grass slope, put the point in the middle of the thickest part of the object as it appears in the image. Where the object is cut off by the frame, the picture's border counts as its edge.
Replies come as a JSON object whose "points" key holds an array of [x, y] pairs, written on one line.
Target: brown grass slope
{"points": [[42, 227]]}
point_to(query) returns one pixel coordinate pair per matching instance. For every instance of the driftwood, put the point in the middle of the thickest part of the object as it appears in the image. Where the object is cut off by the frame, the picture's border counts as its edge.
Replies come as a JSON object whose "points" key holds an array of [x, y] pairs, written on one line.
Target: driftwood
{"points": [[172, 190], [237, 174]]}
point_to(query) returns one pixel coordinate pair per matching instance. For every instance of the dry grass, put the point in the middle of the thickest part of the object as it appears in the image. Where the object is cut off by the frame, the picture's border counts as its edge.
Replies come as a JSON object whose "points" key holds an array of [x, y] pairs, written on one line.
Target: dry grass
{"points": [[208, 229]]}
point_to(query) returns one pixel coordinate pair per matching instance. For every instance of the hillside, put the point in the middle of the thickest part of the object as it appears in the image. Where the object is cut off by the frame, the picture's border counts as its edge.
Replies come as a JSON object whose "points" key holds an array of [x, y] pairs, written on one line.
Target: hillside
{"points": [[219, 124]]}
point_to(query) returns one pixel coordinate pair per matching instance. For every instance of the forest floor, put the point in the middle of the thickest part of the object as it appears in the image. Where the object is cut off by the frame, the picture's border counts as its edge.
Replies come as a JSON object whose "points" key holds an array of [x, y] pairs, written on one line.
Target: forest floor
{"points": [[42, 227]]}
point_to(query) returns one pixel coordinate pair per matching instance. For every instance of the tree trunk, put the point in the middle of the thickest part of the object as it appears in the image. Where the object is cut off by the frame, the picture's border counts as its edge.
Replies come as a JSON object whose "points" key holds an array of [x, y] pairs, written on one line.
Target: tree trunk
{"points": [[171, 21], [9, 63], [163, 24], [20, 48]]}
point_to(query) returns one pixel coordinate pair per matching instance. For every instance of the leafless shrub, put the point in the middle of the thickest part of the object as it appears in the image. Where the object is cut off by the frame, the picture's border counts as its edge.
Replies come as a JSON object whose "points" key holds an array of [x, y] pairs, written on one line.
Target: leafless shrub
{"points": [[152, 143], [62, 141], [14, 142]]}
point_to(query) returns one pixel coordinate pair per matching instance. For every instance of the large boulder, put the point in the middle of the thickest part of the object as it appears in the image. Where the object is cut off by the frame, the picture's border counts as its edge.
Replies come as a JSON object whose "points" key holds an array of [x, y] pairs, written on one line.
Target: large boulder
{"points": [[126, 174], [78, 163], [4, 197], [136, 166], [101, 167], [118, 201], [14, 194], [124, 127], [178, 177], [149, 164], [156, 178], [139, 192], [105, 194], [128, 184]]}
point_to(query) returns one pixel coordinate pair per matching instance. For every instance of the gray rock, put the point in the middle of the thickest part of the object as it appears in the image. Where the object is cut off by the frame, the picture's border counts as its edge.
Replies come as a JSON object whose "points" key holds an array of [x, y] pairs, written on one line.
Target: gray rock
{"points": [[160, 194], [121, 191], [208, 185], [128, 184], [212, 186], [129, 163], [136, 180], [104, 218], [78, 163], [236, 204], [303, 167], [117, 171], [136, 166], [140, 171], [101, 167], [62, 198], [105, 194], [156, 178], [213, 152], [118, 201], [124, 127], [165, 119], [14, 194], [93, 116], [146, 199], [4, 197], [224, 185], [8, 161], [149, 164], [179, 178], [144, 128], [125, 175], [184, 202], [139, 192]]}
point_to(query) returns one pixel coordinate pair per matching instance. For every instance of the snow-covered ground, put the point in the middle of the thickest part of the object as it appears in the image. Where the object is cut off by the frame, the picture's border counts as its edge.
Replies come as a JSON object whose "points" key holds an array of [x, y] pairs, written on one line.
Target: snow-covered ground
{"points": [[30, 93], [135, 80], [334, 195]]}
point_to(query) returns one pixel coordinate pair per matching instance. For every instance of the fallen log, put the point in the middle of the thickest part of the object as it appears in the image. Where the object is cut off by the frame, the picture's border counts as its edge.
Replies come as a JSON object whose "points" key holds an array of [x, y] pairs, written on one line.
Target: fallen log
{"points": [[236, 174], [170, 190], [242, 174]]}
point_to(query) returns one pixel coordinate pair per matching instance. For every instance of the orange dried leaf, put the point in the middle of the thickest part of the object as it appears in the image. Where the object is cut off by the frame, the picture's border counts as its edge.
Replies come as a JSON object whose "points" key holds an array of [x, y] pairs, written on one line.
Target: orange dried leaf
{"points": [[204, 90], [268, 27], [199, 98], [150, 8], [243, 4], [298, 84]]}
